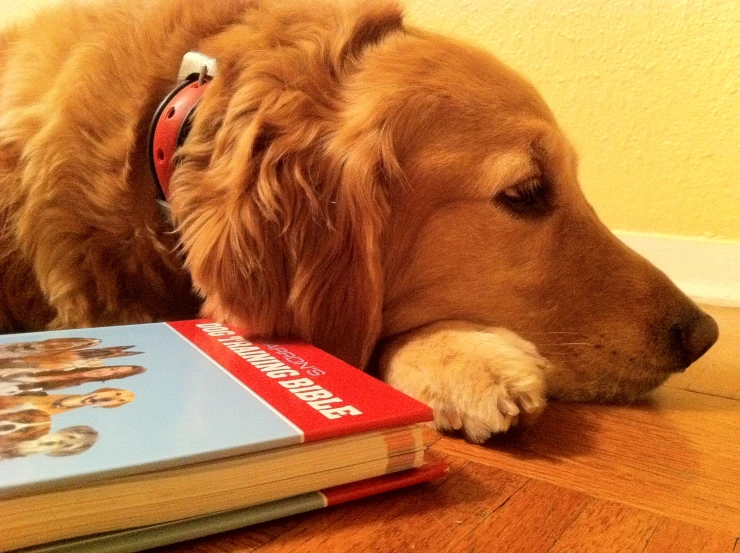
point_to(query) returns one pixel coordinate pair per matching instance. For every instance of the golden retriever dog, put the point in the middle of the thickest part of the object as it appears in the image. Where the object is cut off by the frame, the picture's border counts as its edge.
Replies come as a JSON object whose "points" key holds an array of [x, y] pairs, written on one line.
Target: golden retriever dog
{"points": [[400, 199]]}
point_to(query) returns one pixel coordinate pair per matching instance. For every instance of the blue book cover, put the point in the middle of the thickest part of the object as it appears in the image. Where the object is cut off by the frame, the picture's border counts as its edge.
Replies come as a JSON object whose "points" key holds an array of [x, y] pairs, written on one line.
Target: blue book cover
{"points": [[93, 403]]}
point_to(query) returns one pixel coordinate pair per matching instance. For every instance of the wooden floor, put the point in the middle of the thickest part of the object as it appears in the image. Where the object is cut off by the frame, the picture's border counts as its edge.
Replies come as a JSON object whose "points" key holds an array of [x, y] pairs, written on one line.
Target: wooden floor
{"points": [[662, 476]]}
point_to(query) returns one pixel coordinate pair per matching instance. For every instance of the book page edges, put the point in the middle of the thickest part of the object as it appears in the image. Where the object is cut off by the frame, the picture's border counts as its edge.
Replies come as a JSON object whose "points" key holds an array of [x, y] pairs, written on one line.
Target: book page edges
{"points": [[215, 486]]}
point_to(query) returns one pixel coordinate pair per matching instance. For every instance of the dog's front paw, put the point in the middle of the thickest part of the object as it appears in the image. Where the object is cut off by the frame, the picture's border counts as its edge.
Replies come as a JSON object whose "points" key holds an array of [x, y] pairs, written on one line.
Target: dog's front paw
{"points": [[481, 380], [501, 399]]}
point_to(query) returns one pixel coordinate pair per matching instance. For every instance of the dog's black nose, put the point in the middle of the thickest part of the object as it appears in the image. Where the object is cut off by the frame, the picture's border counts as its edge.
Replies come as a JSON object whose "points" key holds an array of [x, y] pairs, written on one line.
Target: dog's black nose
{"points": [[695, 335]]}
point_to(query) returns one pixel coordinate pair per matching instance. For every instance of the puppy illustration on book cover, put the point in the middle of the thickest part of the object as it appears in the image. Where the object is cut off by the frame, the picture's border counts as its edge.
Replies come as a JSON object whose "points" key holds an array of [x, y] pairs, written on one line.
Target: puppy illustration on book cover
{"points": [[30, 370], [15, 350]]}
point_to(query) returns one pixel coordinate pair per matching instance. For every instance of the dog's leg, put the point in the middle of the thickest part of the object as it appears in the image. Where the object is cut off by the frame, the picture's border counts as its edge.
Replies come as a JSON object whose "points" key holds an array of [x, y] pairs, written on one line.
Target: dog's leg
{"points": [[480, 380], [22, 305], [100, 264]]}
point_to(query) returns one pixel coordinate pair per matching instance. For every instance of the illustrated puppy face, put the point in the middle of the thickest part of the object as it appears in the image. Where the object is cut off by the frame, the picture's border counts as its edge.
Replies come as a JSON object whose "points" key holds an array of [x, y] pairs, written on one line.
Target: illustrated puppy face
{"points": [[493, 228], [24, 349]]}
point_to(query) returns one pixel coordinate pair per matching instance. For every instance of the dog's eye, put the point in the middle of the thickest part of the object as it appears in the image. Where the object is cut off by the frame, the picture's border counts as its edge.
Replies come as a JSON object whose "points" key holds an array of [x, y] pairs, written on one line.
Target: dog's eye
{"points": [[528, 198]]}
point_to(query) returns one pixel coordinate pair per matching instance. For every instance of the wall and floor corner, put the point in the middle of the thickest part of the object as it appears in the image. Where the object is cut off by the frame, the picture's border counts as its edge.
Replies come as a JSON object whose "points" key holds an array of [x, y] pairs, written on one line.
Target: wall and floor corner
{"points": [[649, 93]]}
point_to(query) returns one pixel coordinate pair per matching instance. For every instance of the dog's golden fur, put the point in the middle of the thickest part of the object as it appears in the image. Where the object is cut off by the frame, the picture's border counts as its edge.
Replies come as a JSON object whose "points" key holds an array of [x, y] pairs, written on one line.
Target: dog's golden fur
{"points": [[348, 180]]}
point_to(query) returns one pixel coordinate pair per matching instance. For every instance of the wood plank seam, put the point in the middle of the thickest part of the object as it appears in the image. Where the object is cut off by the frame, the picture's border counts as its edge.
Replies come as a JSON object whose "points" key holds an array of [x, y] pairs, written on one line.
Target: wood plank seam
{"points": [[462, 535], [650, 538], [578, 517]]}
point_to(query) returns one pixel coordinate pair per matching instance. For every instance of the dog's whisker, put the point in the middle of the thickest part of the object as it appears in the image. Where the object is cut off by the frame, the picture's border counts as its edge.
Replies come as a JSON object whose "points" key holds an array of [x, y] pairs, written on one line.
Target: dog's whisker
{"points": [[561, 332], [570, 344]]}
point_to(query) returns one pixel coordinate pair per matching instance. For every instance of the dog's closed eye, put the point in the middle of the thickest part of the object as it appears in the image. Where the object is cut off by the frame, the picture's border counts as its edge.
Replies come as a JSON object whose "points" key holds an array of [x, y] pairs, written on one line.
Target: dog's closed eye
{"points": [[529, 198]]}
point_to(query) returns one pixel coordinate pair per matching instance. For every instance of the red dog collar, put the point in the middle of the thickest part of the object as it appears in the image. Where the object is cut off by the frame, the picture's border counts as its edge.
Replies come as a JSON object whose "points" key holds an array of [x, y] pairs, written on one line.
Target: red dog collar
{"points": [[172, 120]]}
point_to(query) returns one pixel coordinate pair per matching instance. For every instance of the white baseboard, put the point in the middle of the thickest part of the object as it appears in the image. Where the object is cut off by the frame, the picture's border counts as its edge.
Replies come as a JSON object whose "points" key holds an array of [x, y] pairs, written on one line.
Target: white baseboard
{"points": [[706, 270]]}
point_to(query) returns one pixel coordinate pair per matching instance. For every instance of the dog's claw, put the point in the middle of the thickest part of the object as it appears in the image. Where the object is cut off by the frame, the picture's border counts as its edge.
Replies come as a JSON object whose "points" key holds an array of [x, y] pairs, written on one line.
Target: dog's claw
{"points": [[447, 419], [508, 406]]}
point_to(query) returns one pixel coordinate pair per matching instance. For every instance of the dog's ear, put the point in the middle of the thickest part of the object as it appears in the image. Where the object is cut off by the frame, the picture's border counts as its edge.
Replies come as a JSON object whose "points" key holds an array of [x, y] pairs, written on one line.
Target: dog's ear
{"points": [[338, 288], [280, 195], [369, 25]]}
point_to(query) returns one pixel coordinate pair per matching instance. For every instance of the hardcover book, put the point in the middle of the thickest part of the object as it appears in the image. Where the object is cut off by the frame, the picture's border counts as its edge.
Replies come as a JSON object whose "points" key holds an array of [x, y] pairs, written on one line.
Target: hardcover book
{"points": [[147, 537], [115, 428]]}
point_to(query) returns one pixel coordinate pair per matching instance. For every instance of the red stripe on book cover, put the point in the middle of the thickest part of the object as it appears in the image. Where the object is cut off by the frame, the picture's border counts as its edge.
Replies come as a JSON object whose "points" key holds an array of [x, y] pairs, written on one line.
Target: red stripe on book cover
{"points": [[382, 484], [350, 401]]}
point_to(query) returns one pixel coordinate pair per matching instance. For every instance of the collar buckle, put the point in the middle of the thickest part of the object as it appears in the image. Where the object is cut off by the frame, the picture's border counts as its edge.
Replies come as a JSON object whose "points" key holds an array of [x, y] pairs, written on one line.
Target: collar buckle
{"points": [[196, 64]]}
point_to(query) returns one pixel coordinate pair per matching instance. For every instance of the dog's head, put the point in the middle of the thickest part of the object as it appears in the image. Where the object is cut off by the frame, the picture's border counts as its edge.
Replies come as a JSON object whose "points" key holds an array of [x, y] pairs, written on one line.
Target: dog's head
{"points": [[347, 180]]}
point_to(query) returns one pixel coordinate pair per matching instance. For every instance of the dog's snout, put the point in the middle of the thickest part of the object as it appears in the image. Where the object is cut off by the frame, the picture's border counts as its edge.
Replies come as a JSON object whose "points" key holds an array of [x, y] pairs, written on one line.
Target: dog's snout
{"points": [[693, 336]]}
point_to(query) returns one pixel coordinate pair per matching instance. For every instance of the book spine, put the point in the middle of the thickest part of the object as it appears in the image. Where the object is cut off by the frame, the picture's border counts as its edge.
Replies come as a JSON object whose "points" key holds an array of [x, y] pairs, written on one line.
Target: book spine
{"points": [[383, 484]]}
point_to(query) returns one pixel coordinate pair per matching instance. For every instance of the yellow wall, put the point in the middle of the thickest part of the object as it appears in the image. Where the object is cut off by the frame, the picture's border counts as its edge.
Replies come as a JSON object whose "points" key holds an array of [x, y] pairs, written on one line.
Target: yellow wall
{"points": [[648, 90], [13, 10]]}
